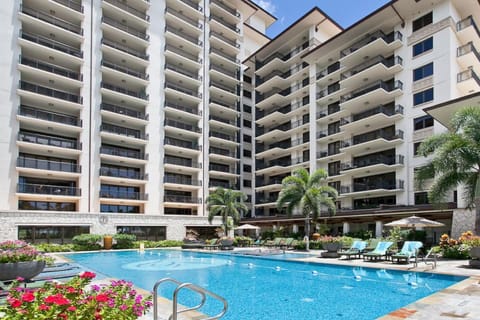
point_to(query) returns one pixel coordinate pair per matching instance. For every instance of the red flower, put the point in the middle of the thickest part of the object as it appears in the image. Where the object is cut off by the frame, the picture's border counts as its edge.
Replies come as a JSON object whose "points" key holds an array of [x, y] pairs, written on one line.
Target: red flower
{"points": [[71, 308], [87, 275], [57, 299], [102, 298], [71, 290], [14, 302], [44, 307], [28, 297]]}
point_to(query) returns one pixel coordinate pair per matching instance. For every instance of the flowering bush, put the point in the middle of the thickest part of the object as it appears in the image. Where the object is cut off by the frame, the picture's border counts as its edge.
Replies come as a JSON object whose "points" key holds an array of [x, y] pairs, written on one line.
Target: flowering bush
{"points": [[329, 239], [74, 300], [458, 248], [19, 251]]}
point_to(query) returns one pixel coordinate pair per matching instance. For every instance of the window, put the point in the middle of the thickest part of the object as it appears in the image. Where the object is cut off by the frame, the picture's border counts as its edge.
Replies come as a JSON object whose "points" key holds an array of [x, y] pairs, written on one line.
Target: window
{"points": [[247, 109], [247, 79], [247, 183], [247, 94], [423, 97], [247, 168], [247, 123], [247, 153], [416, 145], [422, 47], [44, 205], [50, 234], [422, 21], [154, 233], [247, 138], [423, 72], [421, 198], [114, 208], [422, 122]]}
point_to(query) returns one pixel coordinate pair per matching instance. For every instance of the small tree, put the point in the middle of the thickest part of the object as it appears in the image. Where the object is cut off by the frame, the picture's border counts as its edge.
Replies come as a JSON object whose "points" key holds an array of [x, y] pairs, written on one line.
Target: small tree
{"points": [[455, 160], [307, 193], [226, 203]]}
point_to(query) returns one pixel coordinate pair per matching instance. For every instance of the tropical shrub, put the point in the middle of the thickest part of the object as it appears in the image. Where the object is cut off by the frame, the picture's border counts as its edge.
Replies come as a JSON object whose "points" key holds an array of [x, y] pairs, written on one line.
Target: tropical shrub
{"points": [[360, 234], [455, 248], [158, 244], [54, 247], [20, 251], [86, 242], [124, 240], [75, 300]]}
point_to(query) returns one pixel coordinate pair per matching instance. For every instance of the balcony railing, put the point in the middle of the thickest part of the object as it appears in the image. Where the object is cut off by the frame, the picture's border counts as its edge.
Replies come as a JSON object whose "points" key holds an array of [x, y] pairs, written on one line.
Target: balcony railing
{"points": [[378, 134], [123, 48], [50, 92], [183, 71], [181, 199], [34, 163], [388, 110], [387, 86], [223, 87], [466, 49], [327, 153], [226, 8], [225, 39], [234, 74], [127, 132], [181, 180], [328, 111], [53, 190], [181, 162], [128, 29], [222, 168], [122, 152], [182, 125], [285, 109], [227, 24], [223, 152], [270, 182], [328, 70], [284, 57], [136, 94], [225, 55], [222, 184], [193, 4], [263, 200], [132, 10], [390, 62], [125, 70], [49, 116], [374, 160], [467, 75], [182, 108], [128, 195], [224, 104], [223, 120], [281, 74], [467, 22], [184, 17], [64, 72], [52, 44], [385, 185], [123, 111], [52, 20], [183, 35], [120, 173], [182, 143], [221, 136], [72, 4], [183, 53], [328, 90], [175, 87], [388, 38]]}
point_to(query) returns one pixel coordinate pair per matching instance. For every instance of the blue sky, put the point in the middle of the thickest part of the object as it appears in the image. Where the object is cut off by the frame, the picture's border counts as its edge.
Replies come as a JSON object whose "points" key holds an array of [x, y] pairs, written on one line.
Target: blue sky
{"points": [[344, 12]]}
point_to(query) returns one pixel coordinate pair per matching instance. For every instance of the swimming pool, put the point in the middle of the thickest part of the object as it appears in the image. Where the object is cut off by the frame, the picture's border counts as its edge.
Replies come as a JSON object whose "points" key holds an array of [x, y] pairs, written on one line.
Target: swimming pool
{"points": [[263, 288]]}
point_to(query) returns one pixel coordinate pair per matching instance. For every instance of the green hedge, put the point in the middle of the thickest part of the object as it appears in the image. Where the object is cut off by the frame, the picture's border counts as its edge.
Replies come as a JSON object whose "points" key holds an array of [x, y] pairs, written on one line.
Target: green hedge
{"points": [[124, 241], [87, 242], [53, 247], [158, 244]]}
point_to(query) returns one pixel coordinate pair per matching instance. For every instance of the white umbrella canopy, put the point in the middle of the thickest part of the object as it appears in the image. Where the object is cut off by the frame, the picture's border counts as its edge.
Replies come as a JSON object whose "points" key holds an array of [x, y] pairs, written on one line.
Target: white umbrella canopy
{"points": [[247, 227], [414, 222]]}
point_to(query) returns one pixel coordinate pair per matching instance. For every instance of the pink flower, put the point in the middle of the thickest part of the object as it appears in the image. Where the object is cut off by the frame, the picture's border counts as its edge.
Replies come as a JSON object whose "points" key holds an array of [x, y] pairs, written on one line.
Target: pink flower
{"points": [[28, 297], [44, 307], [87, 275], [102, 298], [123, 307], [14, 302], [71, 308]]}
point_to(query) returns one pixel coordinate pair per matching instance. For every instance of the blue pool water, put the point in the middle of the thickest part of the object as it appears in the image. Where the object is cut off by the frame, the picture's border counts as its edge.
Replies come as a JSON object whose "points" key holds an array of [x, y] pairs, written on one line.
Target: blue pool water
{"points": [[263, 288]]}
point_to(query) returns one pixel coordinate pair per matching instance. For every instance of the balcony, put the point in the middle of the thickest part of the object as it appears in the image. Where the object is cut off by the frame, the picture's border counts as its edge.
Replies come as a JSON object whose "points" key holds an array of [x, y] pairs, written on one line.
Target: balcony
{"points": [[226, 40], [375, 68], [374, 160], [183, 108], [226, 8], [193, 5], [184, 18], [182, 144], [122, 5], [222, 152], [467, 55], [374, 140], [70, 97], [224, 104], [228, 25], [52, 44], [179, 89], [221, 184], [123, 173], [283, 57], [230, 58], [328, 70], [120, 47], [379, 92], [187, 73], [183, 53], [184, 35], [128, 29], [123, 111], [125, 70], [467, 30], [376, 43], [173, 179], [63, 24], [127, 195], [182, 199], [235, 74], [377, 117], [224, 88], [222, 136], [282, 76], [379, 187], [223, 169], [51, 68], [41, 164], [182, 126], [183, 162], [122, 152], [279, 114], [40, 114], [136, 94], [72, 4], [468, 81], [52, 190], [126, 132], [331, 154], [43, 139]]}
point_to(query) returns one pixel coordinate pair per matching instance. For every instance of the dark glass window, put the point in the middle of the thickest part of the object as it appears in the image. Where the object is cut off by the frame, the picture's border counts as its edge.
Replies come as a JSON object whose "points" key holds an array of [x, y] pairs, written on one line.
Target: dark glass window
{"points": [[247, 168], [154, 233], [247, 138], [247, 153], [48, 206], [119, 208], [421, 198], [247, 94], [247, 109], [50, 234], [422, 47], [247, 79], [416, 145], [247, 123], [423, 122], [423, 72], [423, 96], [422, 21], [247, 183]]}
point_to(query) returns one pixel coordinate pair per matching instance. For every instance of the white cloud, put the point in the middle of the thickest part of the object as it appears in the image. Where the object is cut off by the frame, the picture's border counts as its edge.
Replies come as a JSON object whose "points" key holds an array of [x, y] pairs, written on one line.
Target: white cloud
{"points": [[267, 5]]}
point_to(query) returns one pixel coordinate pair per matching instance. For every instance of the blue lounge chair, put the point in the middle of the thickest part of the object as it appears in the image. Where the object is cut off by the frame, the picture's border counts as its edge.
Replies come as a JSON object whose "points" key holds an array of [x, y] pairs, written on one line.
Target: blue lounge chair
{"points": [[379, 252], [409, 250], [355, 250]]}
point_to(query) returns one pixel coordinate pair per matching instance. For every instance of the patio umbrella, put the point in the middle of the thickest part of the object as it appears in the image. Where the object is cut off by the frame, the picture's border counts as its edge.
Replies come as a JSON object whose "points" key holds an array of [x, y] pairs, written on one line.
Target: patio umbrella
{"points": [[414, 222], [247, 227]]}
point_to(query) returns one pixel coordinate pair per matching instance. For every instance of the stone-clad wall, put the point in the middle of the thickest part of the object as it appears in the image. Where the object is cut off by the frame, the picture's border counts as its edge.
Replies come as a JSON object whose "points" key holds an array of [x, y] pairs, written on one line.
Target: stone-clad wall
{"points": [[462, 220], [103, 223]]}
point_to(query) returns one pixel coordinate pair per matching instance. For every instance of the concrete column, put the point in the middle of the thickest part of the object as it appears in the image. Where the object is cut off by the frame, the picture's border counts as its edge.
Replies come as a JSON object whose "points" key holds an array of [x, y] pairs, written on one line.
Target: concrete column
{"points": [[295, 228], [346, 227], [378, 229]]}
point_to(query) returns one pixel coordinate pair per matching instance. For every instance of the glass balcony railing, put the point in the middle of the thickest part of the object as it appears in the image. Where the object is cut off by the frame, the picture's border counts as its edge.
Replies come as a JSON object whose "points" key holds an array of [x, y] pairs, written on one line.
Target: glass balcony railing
{"points": [[42, 164], [123, 48], [388, 38], [189, 92], [232, 73], [224, 104], [223, 120], [53, 190], [128, 195], [61, 71], [226, 8], [183, 53], [222, 168], [122, 5], [181, 199], [387, 86], [284, 57], [231, 42], [182, 125], [70, 97], [124, 69], [66, 25], [185, 72], [388, 110], [181, 162], [123, 111], [49, 116], [183, 35], [125, 173], [221, 136], [47, 140], [182, 143], [385, 185], [389, 62], [181, 180], [128, 29], [182, 107], [136, 94], [185, 18], [374, 135], [225, 55], [122, 152], [466, 49], [373, 160], [193, 4], [52, 44], [227, 24], [223, 152], [72, 4], [223, 87], [127, 132]]}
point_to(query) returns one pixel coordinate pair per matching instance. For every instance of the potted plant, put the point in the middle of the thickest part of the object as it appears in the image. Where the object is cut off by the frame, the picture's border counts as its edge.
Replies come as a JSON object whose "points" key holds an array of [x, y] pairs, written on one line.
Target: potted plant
{"points": [[473, 243], [332, 245], [19, 259]]}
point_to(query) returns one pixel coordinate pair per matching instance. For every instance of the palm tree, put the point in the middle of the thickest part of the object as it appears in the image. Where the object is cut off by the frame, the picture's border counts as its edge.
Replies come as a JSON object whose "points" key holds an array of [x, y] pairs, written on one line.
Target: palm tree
{"points": [[455, 160], [307, 194], [226, 203]]}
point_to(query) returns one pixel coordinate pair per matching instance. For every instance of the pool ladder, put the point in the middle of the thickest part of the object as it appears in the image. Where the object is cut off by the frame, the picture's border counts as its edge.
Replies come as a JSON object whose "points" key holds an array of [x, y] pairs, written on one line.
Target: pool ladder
{"points": [[185, 285]]}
